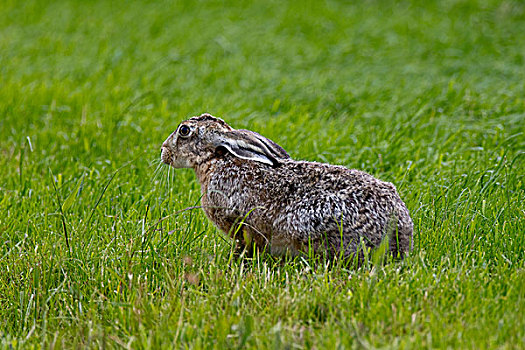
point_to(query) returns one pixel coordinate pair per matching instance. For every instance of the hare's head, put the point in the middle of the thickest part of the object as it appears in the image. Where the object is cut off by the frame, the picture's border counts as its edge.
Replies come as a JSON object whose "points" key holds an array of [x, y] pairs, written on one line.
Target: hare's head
{"points": [[203, 138]]}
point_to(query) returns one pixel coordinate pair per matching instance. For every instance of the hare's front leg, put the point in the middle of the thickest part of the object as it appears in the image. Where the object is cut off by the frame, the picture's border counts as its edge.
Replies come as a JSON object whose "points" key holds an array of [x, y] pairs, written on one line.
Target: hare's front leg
{"points": [[248, 240]]}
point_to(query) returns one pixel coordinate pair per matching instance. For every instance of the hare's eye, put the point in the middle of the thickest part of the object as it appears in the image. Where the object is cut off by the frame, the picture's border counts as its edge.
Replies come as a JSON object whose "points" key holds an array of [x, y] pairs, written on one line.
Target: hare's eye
{"points": [[184, 130]]}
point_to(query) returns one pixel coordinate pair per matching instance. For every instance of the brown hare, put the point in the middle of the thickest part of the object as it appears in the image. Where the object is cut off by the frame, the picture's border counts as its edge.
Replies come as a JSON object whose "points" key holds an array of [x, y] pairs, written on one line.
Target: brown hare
{"points": [[253, 190]]}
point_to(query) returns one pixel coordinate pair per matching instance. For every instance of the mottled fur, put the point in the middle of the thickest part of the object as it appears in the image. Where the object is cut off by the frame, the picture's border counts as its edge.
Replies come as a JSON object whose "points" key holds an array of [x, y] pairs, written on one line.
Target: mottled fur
{"points": [[282, 205]]}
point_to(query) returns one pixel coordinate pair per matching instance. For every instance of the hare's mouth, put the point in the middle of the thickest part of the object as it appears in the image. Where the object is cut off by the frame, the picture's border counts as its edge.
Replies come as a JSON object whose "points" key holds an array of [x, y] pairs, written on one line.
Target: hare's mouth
{"points": [[165, 155]]}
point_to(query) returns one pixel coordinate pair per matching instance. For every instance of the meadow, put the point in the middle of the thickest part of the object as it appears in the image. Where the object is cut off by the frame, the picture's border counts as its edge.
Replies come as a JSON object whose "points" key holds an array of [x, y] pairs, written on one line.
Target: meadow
{"points": [[96, 248]]}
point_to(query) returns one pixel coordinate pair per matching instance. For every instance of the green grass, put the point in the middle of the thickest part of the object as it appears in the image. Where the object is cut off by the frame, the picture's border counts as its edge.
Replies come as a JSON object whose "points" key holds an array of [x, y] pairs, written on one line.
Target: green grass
{"points": [[429, 96]]}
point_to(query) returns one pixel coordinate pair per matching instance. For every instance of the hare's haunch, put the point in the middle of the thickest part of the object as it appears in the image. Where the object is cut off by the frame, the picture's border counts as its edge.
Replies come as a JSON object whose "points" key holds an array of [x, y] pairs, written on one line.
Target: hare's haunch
{"points": [[253, 190]]}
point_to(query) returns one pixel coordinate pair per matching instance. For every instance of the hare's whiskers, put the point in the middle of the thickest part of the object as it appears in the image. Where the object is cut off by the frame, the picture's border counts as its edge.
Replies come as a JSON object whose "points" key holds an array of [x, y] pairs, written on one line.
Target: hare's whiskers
{"points": [[168, 180], [153, 161], [156, 172]]}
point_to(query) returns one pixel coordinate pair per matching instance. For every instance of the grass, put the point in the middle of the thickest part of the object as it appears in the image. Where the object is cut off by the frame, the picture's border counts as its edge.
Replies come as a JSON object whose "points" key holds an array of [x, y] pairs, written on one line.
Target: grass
{"points": [[429, 96]]}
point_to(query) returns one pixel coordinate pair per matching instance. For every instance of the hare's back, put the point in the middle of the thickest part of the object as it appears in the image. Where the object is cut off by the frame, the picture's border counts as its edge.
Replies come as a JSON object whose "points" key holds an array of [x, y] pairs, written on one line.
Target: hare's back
{"points": [[349, 193], [336, 179], [330, 198]]}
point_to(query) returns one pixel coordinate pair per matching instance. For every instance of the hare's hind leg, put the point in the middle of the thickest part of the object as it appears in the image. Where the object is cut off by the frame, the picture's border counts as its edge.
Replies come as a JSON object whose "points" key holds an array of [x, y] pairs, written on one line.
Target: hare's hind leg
{"points": [[401, 241], [284, 245]]}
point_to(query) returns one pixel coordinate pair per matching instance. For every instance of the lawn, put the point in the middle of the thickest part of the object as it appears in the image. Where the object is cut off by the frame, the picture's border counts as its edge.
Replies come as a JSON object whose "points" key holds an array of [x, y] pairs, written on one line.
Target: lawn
{"points": [[96, 248]]}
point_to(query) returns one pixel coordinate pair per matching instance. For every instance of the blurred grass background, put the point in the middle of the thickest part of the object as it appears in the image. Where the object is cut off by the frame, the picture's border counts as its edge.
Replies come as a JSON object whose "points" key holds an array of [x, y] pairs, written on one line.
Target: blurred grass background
{"points": [[429, 95]]}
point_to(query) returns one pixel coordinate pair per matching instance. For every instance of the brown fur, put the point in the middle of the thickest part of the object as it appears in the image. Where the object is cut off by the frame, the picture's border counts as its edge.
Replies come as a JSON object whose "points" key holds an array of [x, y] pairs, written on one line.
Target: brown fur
{"points": [[251, 186]]}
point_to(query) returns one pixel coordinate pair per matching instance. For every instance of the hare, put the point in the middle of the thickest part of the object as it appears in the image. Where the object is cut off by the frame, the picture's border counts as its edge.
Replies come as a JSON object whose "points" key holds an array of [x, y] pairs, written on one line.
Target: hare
{"points": [[252, 190]]}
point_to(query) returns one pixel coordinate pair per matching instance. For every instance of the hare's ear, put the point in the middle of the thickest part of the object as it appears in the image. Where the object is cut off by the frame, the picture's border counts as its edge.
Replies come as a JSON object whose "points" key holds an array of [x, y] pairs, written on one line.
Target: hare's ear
{"points": [[247, 144], [274, 148]]}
